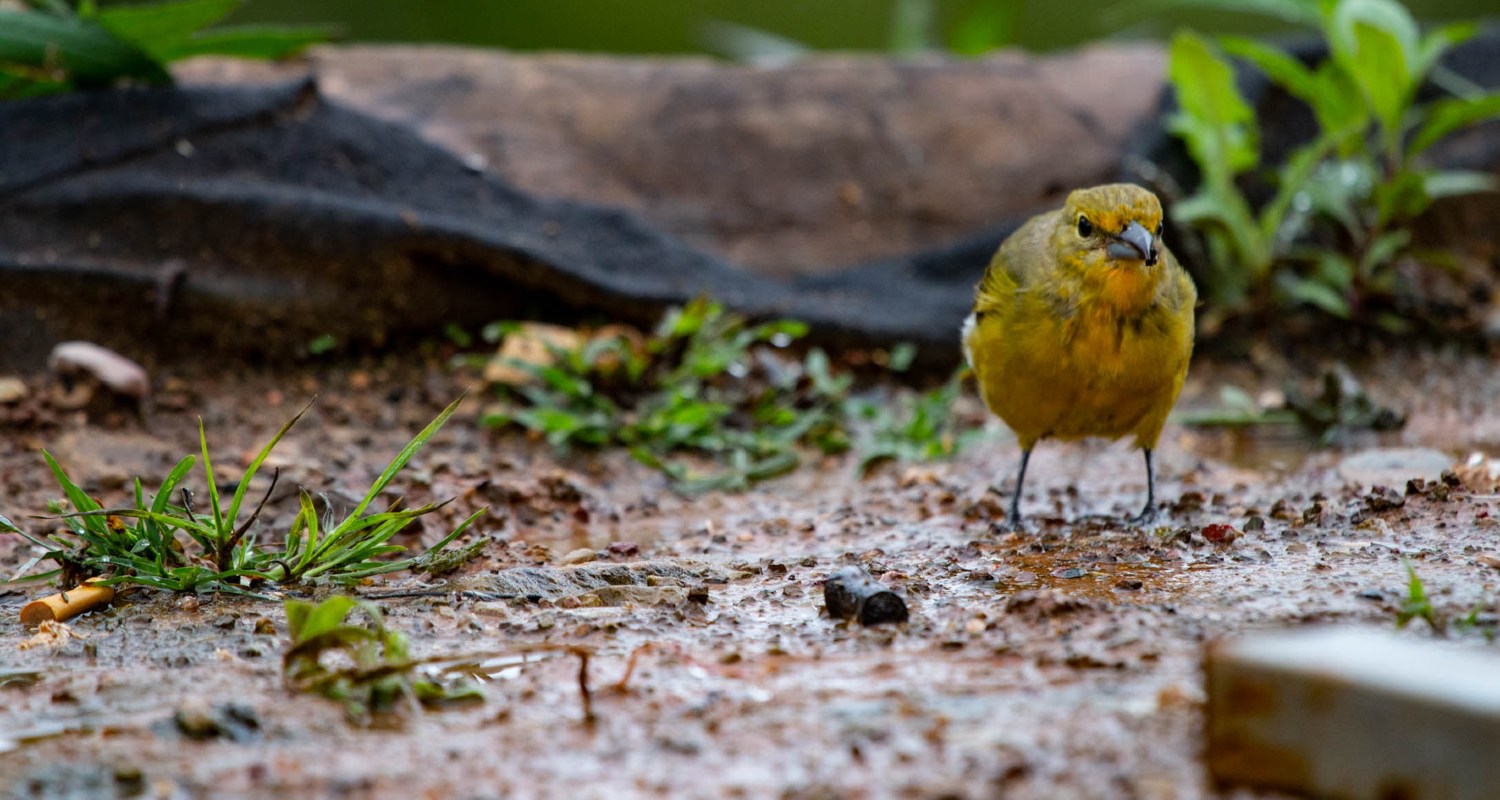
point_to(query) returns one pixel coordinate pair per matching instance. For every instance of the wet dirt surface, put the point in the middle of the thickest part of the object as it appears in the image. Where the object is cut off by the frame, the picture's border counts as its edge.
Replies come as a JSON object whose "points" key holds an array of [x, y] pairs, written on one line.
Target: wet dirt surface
{"points": [[1058, 662]]}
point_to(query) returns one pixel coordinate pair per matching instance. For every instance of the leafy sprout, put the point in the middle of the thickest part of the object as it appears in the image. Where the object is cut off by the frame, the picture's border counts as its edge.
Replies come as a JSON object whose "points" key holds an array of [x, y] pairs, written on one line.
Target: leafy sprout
{"points": [[1417, 604], [377, 667]]}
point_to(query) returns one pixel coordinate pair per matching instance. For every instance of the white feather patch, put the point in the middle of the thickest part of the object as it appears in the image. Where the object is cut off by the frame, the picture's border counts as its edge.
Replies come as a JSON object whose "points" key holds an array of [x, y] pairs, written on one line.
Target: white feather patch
{"points": [[966, 332]]}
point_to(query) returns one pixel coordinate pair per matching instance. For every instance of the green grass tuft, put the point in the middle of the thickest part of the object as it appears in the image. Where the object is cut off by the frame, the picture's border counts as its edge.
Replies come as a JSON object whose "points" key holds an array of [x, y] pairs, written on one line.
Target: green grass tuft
{"points": [[179, 548]]}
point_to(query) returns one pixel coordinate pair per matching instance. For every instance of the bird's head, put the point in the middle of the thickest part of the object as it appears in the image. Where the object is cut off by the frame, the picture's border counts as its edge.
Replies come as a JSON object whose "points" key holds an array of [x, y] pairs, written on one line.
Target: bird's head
{"points": [[1110, 227]]}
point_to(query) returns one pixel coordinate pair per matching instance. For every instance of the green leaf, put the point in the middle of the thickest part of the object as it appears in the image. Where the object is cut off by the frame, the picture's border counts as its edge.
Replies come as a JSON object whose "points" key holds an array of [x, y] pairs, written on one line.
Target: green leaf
{"points": [[1334, 270], [255, 464], [221, 532], [1286, 71], [1305, 176], [901, 357], [160, 27], [1446, 116], [305, 621], [1385, 247], [1438, 42], [1375, 42], [1400, 197], [84, 50], [1451, 183], [399, 462], [1314, 294], [1215, 122], [164, 493], [265, 42]]}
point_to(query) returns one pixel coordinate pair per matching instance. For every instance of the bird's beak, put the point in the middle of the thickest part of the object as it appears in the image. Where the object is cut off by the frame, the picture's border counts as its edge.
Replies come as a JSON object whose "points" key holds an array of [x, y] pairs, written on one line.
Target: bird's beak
{"points": [[1135, 243]]}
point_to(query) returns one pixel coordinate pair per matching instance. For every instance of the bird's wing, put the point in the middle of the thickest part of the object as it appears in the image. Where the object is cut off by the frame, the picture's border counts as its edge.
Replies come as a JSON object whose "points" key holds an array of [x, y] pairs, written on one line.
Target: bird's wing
{"points": [[1021, 261]]}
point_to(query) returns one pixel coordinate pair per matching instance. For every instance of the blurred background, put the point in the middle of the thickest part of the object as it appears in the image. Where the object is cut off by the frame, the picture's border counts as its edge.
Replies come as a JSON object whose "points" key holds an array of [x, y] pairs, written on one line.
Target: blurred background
{"points": [[720, 26]]}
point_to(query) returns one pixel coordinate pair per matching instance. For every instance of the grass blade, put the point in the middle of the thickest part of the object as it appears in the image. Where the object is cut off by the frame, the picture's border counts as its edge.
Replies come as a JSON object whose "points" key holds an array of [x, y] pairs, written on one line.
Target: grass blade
{"points": [[399, 462], [260, 458]]}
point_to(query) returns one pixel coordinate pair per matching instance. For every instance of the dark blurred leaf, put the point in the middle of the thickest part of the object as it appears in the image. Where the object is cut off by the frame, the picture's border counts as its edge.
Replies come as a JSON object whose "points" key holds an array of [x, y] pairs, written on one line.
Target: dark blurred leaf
{"points": [[89, 53]]}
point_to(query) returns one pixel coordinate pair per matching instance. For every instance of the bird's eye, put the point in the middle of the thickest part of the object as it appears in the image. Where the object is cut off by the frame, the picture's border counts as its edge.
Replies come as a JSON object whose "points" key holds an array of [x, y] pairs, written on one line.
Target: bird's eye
{"points": [[1085, 228], [1158, 230]]}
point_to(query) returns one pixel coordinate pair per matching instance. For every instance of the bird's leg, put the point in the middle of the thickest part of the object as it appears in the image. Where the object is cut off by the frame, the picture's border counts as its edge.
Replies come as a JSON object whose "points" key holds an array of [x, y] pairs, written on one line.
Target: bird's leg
{"points": [[1013, 520], [1148, 514]]}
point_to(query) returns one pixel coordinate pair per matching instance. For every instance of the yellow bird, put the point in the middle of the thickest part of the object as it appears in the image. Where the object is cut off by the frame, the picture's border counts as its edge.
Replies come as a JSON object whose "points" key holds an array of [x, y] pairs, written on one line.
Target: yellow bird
{"points": [[1083, 326]]}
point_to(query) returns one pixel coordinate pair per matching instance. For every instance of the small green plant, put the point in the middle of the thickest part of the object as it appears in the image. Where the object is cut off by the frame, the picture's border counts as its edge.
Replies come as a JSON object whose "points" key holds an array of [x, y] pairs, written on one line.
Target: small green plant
{"points": [[1417, 604], [712, 385], [178, 547], [368, 667], [52, 46], [1339, 219]]}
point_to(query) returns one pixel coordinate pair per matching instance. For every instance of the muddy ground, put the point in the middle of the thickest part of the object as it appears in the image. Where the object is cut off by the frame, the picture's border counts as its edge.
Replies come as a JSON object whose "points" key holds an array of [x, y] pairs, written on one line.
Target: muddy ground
{"points": [[1058, 663]]}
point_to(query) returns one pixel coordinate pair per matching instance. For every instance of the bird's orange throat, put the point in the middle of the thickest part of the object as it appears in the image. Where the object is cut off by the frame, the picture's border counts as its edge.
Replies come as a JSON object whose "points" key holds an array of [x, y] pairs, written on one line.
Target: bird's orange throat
{"points": [[1127, 288]]}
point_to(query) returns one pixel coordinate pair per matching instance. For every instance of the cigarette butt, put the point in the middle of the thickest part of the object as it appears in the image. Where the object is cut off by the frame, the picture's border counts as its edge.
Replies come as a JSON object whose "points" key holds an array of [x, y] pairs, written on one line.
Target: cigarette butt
{"points": [[66, 605]]}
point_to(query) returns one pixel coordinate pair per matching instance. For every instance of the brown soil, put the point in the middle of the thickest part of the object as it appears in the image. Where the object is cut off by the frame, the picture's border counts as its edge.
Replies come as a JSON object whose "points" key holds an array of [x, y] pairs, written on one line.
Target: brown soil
{"points": [[1058, 663]]}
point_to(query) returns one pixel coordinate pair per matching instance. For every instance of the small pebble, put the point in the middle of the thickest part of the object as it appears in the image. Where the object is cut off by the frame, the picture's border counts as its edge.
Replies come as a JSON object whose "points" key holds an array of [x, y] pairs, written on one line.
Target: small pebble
{"points": [[12, 390]]}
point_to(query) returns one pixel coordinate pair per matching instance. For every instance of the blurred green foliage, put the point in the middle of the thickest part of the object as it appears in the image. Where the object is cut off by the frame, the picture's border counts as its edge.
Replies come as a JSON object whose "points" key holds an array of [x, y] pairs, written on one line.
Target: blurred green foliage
{"points": [[710, 385], [50, 46], [368, 666], [675, 26], [1340, 217]]}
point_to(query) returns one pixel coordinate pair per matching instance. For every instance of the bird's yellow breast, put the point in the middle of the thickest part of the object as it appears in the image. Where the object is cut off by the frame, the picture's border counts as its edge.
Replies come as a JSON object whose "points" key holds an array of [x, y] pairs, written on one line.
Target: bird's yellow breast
{"points": [[1104, 355]]}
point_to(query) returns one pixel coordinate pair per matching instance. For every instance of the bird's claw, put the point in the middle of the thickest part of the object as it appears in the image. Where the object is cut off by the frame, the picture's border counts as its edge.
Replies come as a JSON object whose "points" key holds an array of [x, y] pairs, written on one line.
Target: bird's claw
{"points": [[1147, 516], [1011, 524]]}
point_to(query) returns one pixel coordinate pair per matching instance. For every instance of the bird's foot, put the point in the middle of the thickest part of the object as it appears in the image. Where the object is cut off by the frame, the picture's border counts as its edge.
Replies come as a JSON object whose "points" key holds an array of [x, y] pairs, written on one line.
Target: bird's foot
{"points": [[1147, 516], [1011, 524]]}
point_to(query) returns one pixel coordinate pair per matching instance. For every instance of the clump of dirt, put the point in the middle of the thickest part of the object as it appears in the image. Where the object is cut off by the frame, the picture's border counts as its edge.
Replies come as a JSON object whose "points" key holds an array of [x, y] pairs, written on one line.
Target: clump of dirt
{"points": [[1058, 661]]}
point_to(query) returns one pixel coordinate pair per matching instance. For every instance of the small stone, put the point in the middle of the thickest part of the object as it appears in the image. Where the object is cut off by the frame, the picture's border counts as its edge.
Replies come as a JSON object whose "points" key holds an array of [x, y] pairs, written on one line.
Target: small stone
{"points": [[639, 595], [623, 548], [1394, 466], [195, 719], [12, 390], [1383, 498], [582, 555], [265, 627], [1220, 534], [116, 372]]}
